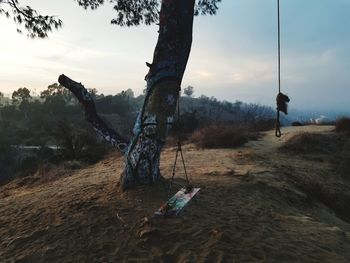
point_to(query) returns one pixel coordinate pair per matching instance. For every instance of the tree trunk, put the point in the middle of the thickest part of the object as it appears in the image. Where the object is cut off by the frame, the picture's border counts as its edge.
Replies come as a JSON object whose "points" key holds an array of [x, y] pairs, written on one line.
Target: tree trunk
{"points": [[163, 87], [142, 155]]}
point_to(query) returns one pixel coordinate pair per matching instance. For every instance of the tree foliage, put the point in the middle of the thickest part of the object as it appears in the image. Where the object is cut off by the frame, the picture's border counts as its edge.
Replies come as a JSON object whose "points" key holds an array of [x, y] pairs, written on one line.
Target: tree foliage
{"points": [[56, 92], [189, 91], [128, 13], [22, 95], [136, 12], [36, 25]]}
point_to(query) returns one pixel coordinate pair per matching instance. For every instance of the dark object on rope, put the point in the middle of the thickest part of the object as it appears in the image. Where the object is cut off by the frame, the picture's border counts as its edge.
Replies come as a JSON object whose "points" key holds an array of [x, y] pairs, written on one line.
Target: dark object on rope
{"points": [[282, 105], [281, 98]]}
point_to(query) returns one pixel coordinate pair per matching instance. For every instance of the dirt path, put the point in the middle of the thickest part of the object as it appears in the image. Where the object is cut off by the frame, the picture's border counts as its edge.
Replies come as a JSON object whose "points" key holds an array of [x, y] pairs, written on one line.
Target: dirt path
{"points": [[269, 142], [248, 210]]}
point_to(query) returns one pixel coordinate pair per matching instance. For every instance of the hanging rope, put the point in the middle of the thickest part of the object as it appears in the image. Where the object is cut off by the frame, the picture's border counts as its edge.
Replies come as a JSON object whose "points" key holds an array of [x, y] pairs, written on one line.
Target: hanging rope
{"points": [[281, 99], [278, 132], [279, 45]]}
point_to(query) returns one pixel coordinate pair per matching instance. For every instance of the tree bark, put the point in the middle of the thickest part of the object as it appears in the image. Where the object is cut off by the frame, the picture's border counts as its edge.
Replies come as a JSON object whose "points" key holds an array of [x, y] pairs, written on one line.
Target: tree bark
{"points": [[142, 154]]}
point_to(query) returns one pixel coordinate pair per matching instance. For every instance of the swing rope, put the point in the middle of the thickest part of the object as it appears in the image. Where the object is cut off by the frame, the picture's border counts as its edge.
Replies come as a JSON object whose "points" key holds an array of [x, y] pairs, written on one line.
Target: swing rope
{"points": [[278, 132], [279, 45], [189, 187]]}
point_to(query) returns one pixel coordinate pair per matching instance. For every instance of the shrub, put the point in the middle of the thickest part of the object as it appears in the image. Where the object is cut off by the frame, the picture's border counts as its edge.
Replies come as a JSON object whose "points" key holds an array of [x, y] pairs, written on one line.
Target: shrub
{"points": [[188, 123], [264, 124], [297, 123], [29, 165], [341, 158], [77, 143], [343, 125], [7, 159], [221, 136], [45, 153], [73, 165]]}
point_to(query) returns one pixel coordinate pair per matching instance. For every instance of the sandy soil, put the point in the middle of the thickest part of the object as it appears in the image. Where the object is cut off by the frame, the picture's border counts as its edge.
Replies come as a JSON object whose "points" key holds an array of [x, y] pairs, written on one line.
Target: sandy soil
{"points": [[249, 209]]}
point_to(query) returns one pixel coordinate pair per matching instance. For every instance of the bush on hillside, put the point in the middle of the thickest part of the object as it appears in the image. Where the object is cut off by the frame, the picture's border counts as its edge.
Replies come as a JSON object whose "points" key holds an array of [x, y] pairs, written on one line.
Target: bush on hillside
{"points": [[297, 123], [221, 136], [78, 144], [264, 124], [28, 166]]}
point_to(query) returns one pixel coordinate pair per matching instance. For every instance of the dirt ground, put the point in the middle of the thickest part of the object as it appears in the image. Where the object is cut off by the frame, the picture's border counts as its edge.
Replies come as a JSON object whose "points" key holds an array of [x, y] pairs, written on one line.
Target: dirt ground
{"points": [[252, 207]]}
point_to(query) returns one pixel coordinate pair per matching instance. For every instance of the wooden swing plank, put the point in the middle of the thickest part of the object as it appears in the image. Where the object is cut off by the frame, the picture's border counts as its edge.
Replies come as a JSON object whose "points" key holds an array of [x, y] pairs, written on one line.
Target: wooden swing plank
{"points": [[177, 202]]}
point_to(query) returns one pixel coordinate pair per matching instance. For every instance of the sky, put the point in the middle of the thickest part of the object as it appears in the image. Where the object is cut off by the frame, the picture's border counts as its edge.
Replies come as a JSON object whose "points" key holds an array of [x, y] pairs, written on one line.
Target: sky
{"points": [[233, 57]]}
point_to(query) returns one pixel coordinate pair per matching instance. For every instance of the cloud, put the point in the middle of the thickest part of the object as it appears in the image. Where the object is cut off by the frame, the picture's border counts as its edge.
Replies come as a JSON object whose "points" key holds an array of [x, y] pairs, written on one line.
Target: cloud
{"points": [[59, 49]]}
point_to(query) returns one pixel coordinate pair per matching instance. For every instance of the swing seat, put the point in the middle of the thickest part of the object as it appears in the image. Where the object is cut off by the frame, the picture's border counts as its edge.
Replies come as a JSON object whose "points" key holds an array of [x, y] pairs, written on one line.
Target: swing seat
{"points": [[177, 202]]}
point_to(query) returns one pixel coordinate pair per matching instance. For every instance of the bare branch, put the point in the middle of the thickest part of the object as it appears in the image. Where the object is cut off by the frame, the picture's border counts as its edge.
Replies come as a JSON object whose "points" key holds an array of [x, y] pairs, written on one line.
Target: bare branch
{"points": [[85, 98]]}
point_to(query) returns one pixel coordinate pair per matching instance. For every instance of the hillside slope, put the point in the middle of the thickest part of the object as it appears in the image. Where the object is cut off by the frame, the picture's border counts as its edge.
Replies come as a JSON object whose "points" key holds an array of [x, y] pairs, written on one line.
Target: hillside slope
{"points": [[254, 206]]}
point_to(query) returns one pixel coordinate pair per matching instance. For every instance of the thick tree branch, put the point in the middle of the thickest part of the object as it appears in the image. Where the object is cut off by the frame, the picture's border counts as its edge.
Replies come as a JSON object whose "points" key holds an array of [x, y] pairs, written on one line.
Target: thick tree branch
{"points": [[85, 98]]}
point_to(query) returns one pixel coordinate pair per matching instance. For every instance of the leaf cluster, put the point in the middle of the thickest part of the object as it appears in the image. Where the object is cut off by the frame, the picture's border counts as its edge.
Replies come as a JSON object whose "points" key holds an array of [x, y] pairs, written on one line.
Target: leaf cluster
{"points": [[36, 25], [128, 13], [136, 12], [21, 95]]}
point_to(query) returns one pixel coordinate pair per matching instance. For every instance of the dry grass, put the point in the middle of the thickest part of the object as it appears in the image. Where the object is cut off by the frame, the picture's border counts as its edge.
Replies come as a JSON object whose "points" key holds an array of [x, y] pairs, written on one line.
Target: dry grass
{"points": [[307, 142], [221, 136], [330, 191], [327, 181], [255, 205], [332, 148], [341, 159]]}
